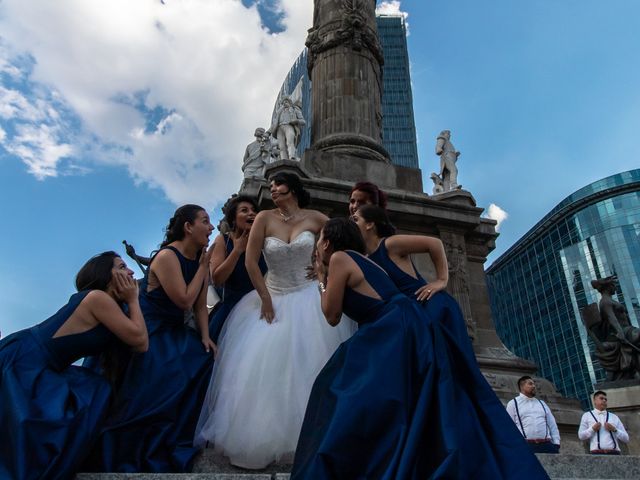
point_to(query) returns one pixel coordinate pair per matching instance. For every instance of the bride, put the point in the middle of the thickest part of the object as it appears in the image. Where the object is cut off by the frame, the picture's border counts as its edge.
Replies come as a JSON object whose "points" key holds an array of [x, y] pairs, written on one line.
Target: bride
{"points": [[274, 342]]}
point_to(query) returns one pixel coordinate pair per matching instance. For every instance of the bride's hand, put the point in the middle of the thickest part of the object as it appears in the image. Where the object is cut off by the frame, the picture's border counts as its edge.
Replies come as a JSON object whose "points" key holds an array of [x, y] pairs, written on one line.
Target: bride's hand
{"points": [[267, 311]]}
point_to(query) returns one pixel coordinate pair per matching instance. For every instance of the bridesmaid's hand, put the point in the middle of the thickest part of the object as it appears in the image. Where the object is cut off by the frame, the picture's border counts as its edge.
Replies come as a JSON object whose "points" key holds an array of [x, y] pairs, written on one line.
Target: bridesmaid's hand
{"points": [[267, 311], [240, 241], [426, 292], [205, 256], [209, 345], [126, 287], [320, 269], [311, 269]]}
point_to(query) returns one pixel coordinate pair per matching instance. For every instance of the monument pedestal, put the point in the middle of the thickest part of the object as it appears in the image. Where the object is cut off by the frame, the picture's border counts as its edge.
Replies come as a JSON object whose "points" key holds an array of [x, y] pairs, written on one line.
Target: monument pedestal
{"points": [[344, 64], [468, 238]]}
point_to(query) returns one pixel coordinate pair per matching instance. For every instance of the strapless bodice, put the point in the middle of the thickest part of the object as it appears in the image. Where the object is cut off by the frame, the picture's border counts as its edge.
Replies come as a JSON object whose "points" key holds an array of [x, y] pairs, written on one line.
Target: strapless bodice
{"points": [[287, 262]]}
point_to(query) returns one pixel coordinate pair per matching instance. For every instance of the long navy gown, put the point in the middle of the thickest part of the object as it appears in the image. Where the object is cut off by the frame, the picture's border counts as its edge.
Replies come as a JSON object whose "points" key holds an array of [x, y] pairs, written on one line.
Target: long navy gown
{"points": [[441, 307], [151, 424], [237, 286], [388, 406], [50, 410]]}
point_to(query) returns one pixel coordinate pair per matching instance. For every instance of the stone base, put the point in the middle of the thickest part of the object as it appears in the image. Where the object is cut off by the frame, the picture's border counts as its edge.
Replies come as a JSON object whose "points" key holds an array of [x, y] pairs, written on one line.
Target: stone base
{"points": [[590, 466], [352, 168], [621, 395], [558, 467]]}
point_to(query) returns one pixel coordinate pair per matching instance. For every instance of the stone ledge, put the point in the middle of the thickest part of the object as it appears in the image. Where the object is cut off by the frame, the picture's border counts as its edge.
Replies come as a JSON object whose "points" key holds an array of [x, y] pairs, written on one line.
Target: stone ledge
{"points": [[591, 466], [181, 476], [559, 467]]}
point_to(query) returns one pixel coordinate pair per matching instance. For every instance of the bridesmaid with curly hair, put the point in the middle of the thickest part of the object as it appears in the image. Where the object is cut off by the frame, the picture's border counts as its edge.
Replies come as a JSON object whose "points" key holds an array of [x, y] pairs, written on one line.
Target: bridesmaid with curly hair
{"points": [[150, 427]]}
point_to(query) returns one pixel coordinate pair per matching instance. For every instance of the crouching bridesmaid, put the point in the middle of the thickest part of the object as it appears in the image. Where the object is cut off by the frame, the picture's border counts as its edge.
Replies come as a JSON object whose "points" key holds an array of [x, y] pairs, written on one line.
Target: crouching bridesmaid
{"points": [[50, 410]]}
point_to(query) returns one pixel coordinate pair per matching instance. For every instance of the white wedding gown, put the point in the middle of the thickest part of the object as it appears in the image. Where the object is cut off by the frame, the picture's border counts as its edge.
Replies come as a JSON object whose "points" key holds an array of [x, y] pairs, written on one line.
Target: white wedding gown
{"points": [[264, 372]]}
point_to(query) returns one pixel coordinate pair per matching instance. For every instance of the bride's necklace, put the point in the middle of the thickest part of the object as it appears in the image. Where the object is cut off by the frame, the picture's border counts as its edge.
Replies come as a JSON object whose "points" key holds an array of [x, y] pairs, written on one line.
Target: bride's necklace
{"points": [[286, 217]]}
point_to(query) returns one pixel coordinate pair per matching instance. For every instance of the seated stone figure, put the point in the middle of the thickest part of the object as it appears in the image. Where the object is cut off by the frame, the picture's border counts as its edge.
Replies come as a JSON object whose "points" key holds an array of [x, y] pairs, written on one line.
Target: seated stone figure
{"points": [[617, 341]]}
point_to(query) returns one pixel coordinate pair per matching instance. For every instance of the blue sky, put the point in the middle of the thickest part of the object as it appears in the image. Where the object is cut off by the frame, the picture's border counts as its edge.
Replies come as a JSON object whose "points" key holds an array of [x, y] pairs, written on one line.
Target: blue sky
{"points": [[113, 113]]}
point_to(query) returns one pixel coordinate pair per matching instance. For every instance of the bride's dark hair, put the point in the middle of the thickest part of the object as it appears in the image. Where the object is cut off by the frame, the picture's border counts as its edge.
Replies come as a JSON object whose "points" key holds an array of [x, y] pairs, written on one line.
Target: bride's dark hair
{"points": [[343, 234], [294, 183]]}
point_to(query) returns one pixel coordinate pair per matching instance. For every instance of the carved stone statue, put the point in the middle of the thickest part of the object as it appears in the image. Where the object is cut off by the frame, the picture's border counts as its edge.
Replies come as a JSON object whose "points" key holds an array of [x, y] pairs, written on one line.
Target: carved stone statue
{"points": [[617, 341], [271, 147], [458, 275], [286, 128], [438, 185], [448, 159], [256, 154]]}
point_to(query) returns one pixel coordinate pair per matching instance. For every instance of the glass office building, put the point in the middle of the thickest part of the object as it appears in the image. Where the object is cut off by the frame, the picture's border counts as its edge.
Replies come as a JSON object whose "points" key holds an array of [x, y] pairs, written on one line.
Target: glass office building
{"points": [[398, 125], [539, 286]]}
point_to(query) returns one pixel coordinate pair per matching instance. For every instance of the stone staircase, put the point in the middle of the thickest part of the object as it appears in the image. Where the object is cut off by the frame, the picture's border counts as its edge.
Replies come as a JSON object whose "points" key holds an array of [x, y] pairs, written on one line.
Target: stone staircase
{"points": [[559, 467]]}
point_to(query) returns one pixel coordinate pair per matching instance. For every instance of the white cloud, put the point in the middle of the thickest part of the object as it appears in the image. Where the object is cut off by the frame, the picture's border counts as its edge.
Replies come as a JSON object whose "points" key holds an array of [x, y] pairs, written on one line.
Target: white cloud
{"points": [[173, 90], [496, 213], [40, 148], [14, 104], [393, 7], [6, 68]]}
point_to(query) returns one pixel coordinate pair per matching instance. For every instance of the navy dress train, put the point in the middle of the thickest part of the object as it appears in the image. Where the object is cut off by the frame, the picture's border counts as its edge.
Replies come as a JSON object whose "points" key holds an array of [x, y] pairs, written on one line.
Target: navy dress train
{"points": [[50, 410], [387, 405], [237, 286], [441, 307], [150, 427]]}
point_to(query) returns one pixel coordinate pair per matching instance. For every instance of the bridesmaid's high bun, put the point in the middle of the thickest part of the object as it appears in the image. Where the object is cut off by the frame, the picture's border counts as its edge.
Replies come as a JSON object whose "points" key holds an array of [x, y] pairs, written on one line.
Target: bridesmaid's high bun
{"points": [[294, 183], [376, 196], [175, 230]]}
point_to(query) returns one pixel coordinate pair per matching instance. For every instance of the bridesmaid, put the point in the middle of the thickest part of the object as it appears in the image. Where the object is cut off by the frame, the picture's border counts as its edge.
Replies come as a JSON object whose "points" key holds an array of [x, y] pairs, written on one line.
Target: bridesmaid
{"points": [[385, 405], [50, 410], [366, 193], [392, 252], [150, 427], [227, 260]]}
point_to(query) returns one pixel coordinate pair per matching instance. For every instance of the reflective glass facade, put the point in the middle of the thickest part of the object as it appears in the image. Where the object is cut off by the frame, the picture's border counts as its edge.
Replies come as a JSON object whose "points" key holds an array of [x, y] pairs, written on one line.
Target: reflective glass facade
{"points": [[539, 286], [398, 125]]}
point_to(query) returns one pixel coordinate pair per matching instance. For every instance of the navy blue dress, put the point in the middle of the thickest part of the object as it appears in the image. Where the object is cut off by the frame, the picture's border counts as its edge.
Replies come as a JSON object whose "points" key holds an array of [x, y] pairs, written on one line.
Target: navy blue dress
{"points": [[387, 405], [50, 410], [237, 286], [441, 307], [151, 424]]}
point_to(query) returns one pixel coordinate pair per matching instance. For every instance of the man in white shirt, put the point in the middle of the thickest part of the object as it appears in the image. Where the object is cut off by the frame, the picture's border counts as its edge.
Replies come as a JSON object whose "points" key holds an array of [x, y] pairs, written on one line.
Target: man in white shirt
{"points": [[603, 429], [534, 418]]}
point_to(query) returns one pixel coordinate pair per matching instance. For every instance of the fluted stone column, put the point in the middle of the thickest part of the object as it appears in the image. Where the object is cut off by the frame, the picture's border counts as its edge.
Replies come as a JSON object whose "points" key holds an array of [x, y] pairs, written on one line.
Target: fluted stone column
{"points": [[344, 62]]}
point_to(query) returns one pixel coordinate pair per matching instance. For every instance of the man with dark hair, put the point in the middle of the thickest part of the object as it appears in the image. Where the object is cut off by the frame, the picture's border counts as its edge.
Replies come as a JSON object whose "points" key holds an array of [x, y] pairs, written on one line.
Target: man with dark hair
{"points": [[534, 418], [603, 429]]}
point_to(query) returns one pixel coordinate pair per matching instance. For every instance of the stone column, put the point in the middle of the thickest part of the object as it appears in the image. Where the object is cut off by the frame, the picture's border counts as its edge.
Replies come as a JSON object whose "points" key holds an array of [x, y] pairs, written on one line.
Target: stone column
{"points": [[344, 62]]}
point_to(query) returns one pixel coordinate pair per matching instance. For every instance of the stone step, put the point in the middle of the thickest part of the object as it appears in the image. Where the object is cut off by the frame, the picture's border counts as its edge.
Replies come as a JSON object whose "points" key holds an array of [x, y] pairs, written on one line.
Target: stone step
{"points": [[559, 467], [182, 476], [596, 467]]}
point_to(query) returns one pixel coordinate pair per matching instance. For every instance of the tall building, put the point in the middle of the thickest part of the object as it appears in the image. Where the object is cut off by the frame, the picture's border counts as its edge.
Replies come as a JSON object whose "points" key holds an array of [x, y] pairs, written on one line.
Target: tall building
{"points": [[538, 287], [398, 125]]}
